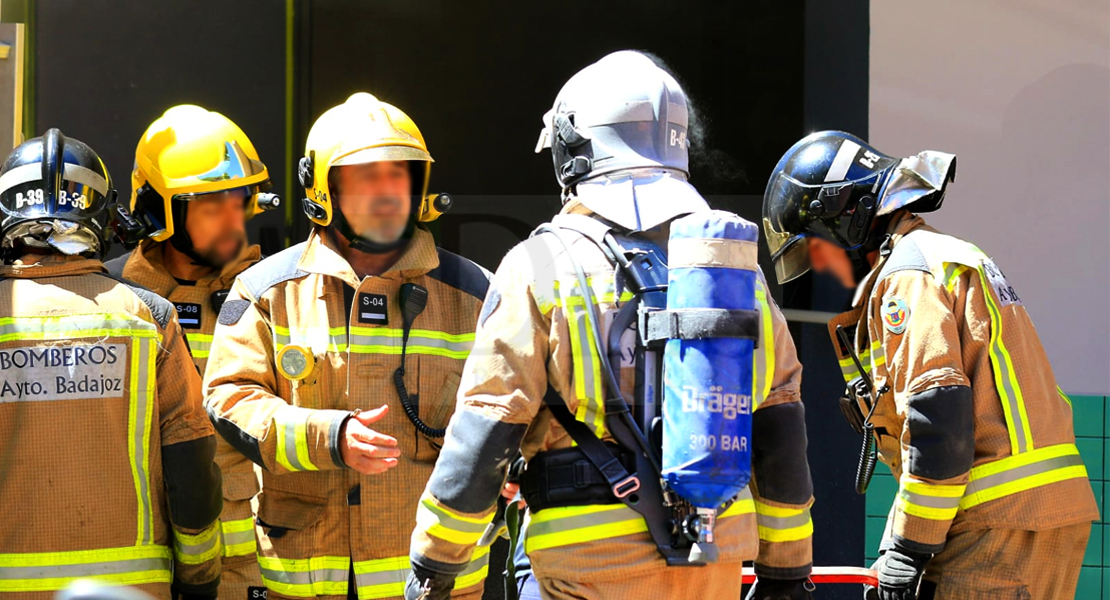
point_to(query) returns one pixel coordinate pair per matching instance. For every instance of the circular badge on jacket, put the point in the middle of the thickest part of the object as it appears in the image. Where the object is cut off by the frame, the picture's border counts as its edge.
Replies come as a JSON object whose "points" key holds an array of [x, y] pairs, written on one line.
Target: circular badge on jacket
{"points": [[895, 315], [295, 362]]}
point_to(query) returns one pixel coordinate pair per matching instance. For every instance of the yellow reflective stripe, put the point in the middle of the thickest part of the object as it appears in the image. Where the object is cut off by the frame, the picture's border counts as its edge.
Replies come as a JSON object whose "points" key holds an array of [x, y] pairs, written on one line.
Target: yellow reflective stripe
{"points": [[199, 344], [744, 505], [332, 339], [872, 357], [50, 571], [589, 383], [139, 423], [385, 577], [1063, 395], [448, 525], [554, 527], [292, 438], [476, 571], [306, 577], [763, 373], [411, 349], [777, 524], [195, 549], [1013, 403], [935, 502], [239, 537], [413, 334], [1022, 472], [952, 272]]}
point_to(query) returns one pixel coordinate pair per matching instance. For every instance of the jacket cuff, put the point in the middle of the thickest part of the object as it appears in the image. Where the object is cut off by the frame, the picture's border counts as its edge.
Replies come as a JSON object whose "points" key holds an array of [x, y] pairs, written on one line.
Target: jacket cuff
{"points": [[923, 514]]}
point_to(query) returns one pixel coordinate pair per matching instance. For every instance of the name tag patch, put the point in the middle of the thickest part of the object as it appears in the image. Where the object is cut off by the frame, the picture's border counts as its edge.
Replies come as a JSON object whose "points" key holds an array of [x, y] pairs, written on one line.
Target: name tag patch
{"points": [[1002, 288], [373, 309], [53, 372], [188, 314]]}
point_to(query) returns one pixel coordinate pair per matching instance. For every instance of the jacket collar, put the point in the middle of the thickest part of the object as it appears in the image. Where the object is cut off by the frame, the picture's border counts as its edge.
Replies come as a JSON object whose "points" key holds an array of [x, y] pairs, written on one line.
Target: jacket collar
{"points": [[147, 265], [35, 266], [321, 255]]}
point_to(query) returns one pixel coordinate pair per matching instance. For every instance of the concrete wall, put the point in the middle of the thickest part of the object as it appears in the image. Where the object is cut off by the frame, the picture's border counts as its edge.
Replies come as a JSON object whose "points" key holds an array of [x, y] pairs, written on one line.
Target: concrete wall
{"points": [[1020, 91]]}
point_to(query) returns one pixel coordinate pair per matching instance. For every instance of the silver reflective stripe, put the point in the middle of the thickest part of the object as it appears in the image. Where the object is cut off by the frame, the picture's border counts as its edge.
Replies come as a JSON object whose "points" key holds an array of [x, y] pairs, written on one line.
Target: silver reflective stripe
{"points": [[197, 549], [607, 517], [116, 325], [476, 565], [989, 481], [71, 172], [386, 577], [92, 569], [799, 520], [451, 522], [288, 418], [239, 537], [940, 502], [306, 577], [142, 395], [589, 381], [842, 161], [414, 340]]}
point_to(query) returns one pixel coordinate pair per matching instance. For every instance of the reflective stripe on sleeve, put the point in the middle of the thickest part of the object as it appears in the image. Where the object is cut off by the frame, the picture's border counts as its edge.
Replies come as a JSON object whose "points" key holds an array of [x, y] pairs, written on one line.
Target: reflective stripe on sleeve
{"points": [[292, 438], [445, 524], [873, 357], [385, 577], [239, 537], [929, 501], [763, 372], [195, 549], [50, 571], [778, 524], [1022, 472], [306, 577]]}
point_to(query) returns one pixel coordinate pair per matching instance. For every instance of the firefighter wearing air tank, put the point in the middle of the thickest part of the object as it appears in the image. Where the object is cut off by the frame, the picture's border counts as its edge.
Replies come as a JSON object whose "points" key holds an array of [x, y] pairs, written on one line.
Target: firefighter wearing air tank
{"points": [[106, 454], [197, 179], [336, 362], [993, 498], [562, 372]]}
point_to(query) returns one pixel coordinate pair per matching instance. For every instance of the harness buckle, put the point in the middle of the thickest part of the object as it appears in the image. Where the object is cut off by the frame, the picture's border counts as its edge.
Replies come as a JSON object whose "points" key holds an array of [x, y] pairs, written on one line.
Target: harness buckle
{"points": [[626, 487]]}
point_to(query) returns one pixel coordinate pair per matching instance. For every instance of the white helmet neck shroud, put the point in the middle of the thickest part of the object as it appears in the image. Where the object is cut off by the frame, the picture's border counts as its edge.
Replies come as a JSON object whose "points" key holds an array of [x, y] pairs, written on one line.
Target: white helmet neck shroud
{"points": [[618, 138]]}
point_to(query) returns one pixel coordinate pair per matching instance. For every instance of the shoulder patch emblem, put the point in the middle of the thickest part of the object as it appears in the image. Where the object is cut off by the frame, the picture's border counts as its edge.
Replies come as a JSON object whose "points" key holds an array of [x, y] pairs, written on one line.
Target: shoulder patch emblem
{"points": [[895, 315]]}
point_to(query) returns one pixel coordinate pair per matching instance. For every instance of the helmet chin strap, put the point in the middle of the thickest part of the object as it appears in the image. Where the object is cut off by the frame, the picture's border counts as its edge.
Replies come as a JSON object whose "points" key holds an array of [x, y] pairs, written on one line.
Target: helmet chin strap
{"points": [[368, 246], [181, 241], [877, 240]]}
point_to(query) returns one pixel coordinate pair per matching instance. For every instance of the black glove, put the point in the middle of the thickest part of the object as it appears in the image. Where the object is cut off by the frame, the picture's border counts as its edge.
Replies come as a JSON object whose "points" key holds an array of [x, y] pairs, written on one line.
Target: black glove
{"points": [[437, 586], [780, 589], [899, 575]]}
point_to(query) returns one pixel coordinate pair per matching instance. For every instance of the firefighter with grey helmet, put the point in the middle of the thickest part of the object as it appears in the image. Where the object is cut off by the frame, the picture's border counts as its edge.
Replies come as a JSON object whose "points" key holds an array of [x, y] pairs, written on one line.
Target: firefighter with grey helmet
{"points": [[561, 373]]}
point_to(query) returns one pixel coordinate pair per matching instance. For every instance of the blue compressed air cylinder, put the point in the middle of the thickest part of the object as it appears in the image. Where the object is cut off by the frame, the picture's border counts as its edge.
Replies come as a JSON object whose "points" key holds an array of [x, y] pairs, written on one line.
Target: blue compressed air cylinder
{"points": [[707, 401]]}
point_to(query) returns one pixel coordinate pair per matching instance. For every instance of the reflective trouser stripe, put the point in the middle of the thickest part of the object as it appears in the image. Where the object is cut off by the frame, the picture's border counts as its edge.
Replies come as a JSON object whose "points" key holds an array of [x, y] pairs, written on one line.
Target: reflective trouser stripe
{"points": [[199, 548], [239, 537], [778, 524], [199, 344], [444, 524], [292, 438], [1005, 378], [929, 501], [49, 571], [763, 372], [555, 527], [1022, 472], [306, 577], [385, 577]]}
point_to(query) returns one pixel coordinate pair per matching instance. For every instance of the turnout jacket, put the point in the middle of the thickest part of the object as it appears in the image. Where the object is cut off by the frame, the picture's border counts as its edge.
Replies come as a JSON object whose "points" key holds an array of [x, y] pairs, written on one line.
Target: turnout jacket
{"points": [[106, 455], [315, 515], [970, 419], [534, 333], [198, 304]]}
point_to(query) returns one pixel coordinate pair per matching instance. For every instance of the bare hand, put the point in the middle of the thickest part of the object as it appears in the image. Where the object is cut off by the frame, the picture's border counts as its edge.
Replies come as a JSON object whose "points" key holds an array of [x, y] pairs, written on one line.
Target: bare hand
{"points": [[364, 449]]}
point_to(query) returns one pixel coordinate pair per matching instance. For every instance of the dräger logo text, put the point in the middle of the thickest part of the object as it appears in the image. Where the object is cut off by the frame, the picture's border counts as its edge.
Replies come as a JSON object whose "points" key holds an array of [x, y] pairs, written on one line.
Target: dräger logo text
{"points": [[715, 401]]}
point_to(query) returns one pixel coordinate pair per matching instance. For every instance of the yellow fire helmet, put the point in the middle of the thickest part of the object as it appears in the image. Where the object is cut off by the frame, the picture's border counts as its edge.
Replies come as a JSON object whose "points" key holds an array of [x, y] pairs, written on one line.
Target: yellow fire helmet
{"points": [[364, 129], [187, 152]]}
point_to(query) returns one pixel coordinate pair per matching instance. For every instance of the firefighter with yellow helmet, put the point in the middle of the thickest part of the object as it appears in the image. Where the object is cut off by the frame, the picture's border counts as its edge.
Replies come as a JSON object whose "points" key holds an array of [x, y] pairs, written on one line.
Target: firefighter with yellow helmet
{"points": [[336, 363], [197, 179]]}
